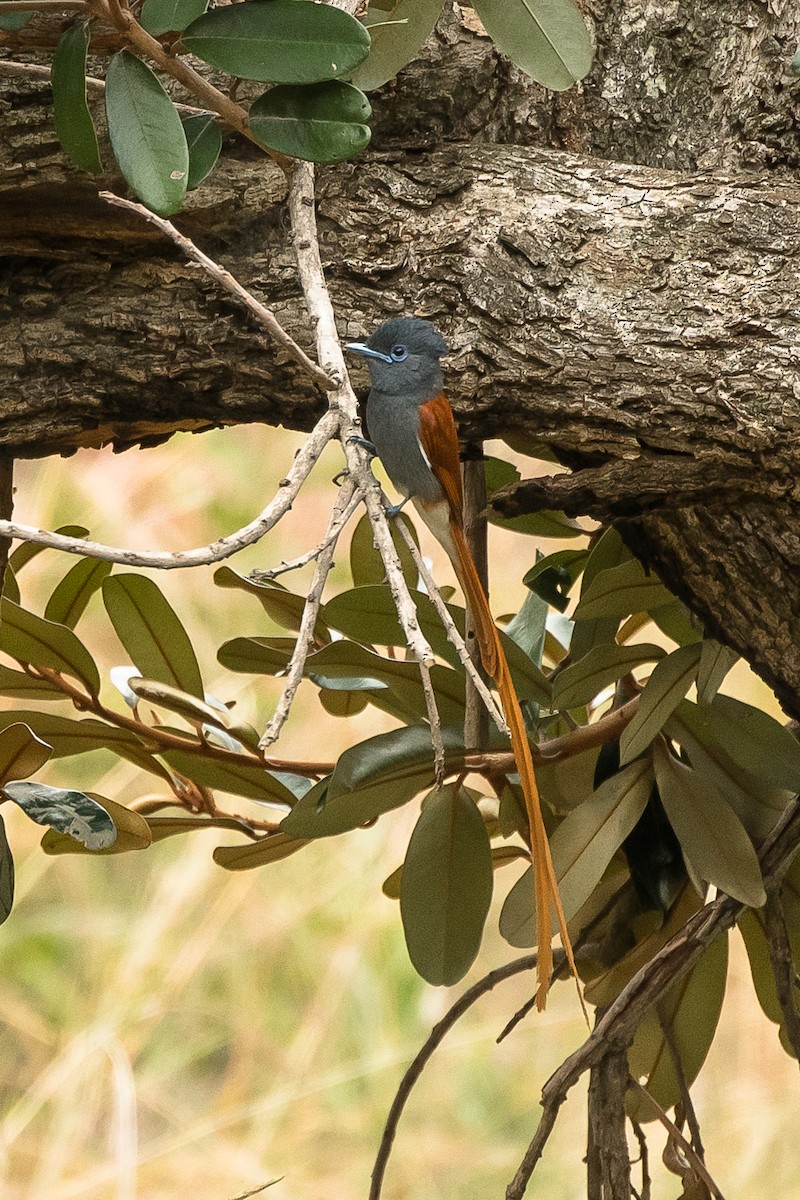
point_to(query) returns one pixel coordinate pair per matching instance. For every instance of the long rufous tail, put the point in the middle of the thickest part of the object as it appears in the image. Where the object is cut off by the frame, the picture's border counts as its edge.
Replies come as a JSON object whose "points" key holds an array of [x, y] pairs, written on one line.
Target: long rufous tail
{"points": [[496, 665]]}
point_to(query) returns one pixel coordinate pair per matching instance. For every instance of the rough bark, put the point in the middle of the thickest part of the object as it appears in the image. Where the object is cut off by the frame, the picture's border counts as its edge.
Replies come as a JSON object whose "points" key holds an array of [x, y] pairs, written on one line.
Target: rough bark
{"points": [[640, 319]]}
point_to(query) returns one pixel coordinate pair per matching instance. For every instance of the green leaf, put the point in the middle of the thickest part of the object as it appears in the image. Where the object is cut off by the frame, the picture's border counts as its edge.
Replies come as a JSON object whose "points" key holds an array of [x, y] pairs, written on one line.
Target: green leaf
{"points": [[754, 935], [70, 812], [368, 614], [321, 122], [582, 847], [22, 753], [133, 833], [68, 602], [663, 692], [68, 737], [446, 886], [528, 626], [255, 782], [284, 607], [756, 801], [12, 22], [579, 683], [608, 552], [31, 639], [554, 575], [192, 709], [71, 115], [146, 134], [162, 828], [151, 632], [22, 686], [689, 1012], [6, 875], [257, 854], [170, 16], [256, 655], [622, 590], [756, 742], [370, 779], [713, 839], [284, 41], [10, 586], [366, 565], [398, 34], [678, 623], [547, 39], [27, 551], [346, 703], [715, 663], [204, 142]]}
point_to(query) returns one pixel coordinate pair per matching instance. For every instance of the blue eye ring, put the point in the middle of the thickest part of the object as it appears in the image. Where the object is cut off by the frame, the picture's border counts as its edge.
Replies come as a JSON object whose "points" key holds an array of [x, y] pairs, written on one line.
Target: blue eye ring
{"points": [[399, 353]]}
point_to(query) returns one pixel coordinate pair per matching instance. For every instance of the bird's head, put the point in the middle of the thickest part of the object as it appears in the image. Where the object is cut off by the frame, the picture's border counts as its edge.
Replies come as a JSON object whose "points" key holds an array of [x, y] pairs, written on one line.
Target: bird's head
{"points": [[403, 357]]}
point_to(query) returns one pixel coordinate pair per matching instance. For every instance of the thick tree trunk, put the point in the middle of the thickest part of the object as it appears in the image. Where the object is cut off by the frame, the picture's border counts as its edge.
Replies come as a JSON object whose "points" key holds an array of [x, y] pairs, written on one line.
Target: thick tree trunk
{"points": [[640, 319]]}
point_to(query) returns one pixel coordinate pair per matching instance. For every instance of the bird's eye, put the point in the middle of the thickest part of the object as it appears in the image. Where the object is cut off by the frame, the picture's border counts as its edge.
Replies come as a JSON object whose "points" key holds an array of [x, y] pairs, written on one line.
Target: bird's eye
{"points": [[399, 353]]}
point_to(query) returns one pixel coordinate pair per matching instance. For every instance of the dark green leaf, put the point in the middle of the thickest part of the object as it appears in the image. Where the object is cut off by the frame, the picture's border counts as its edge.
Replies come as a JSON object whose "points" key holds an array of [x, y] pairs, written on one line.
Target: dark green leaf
{"points": [[343, 703], [284, 41], [366, 565], [756, 801], [68, 737], [622, 590], [677, 623], [133, 833], [22, 753], [714, 842], [581, 682], [70, 812], [237, 778], [71, 115], [321, 122], [689, 1012], [68, 602], [715, 663], [6, 875], [170, 16], [31, 639], [10, 586], [162, 828], [754, 935], [663, 692], [257, 854], [372, 778], [527, 627], [256, 655], [608, 552], [368, 614], [194, 710], [397, 33], [146, 134], [204, 141], [582, 847], [284, 607], [554, 575], [27, 551], [151, 632], [756, 742], [547, 39], [22, 686], [11, 22], [446, 886]]}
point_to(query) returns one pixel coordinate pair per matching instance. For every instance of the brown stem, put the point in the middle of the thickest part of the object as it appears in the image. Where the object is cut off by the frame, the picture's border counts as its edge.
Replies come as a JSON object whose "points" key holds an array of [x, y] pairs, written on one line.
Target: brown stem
{"points": [[608, 1168], [6, 510], [780, 955]]}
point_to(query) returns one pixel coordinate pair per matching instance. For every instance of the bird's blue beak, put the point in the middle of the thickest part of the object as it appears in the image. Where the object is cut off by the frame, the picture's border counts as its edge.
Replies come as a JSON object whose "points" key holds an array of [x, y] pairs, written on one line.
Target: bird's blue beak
{"points": [[368, 352]]}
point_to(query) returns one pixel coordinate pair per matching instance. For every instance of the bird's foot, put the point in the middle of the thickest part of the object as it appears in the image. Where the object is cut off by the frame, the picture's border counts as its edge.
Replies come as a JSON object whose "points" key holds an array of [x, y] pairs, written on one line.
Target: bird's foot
{"points": [[364, 443]]}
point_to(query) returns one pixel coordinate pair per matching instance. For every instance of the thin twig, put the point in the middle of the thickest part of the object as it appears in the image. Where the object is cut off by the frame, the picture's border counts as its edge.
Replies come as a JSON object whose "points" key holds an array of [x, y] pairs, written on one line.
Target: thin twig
{"points": [[458, 643], [265, 316], [38, 71], [568, 745], [224, 547], [6, 509], [644, 1157], [43, 6], [418, 1064], [680, 1075], [692, 1157], [308, 620], [263, 574]]}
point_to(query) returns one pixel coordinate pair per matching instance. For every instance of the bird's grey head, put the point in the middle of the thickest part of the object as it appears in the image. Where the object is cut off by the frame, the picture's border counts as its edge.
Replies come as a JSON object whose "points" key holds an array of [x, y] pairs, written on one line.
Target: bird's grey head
{"points": [[403, 358]]}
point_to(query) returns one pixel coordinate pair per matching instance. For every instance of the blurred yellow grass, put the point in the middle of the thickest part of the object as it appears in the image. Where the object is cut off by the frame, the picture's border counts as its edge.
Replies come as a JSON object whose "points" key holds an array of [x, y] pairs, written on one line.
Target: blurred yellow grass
{"points": [[174, 1030]]}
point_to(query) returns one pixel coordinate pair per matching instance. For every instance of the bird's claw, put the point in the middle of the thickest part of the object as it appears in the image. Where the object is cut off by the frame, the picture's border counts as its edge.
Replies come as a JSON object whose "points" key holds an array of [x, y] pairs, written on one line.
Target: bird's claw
{"points": [[364, 443]]}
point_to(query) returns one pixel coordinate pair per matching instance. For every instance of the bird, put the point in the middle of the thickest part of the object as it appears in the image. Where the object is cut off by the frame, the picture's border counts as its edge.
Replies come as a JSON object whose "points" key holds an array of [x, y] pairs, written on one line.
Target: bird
{"points": [[412, 430]]}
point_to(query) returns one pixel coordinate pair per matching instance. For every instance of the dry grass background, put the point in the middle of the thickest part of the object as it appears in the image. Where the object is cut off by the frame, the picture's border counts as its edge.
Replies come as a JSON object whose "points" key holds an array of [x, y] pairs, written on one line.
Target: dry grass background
{"points": [[172, 1030]]}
